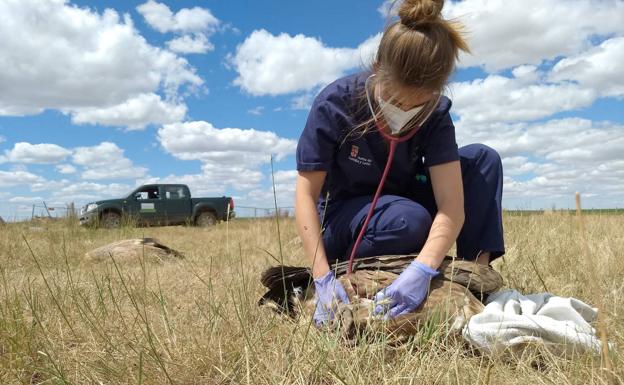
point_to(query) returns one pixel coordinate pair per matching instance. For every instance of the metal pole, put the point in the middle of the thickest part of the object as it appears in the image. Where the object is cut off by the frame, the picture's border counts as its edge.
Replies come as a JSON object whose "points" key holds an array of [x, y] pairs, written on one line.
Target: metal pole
{"points": [[48, 211], [32, 216]]}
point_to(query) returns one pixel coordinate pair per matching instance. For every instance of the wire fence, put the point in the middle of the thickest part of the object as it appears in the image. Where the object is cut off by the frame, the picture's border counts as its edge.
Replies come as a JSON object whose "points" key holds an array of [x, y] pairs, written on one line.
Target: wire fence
{"points": [[263, 212], [17, 211]]}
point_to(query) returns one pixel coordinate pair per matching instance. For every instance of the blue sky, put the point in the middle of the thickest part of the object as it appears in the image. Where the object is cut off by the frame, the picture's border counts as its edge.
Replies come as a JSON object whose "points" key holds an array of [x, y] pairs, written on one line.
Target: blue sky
{"points": [[99, 97]]}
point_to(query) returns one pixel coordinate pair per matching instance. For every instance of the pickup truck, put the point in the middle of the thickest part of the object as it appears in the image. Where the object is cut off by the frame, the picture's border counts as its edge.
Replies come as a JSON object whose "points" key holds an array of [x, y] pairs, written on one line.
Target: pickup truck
{"points": [[158, 204]]}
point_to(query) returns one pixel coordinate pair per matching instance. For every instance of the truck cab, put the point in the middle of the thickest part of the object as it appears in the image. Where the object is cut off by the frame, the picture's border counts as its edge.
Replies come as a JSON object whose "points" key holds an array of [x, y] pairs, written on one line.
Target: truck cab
{"points": [[152, 204]]}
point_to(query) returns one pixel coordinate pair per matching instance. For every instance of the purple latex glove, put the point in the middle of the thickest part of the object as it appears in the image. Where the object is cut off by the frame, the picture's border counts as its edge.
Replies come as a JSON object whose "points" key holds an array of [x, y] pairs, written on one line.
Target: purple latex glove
{"points": [[329, 292], [406, 293]]}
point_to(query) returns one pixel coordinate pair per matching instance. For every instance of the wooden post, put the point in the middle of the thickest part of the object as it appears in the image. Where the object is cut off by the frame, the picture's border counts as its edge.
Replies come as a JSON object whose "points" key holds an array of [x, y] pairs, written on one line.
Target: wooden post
{"points": [[594, 285]]}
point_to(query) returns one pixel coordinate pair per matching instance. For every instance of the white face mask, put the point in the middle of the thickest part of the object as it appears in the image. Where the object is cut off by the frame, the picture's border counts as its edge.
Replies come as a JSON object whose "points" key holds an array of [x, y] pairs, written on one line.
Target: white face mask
{"points": [[395, 117]]}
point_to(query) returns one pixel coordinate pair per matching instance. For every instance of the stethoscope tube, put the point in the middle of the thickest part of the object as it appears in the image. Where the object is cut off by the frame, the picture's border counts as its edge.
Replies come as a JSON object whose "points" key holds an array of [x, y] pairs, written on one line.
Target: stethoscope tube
{"points": [[393, 143]]}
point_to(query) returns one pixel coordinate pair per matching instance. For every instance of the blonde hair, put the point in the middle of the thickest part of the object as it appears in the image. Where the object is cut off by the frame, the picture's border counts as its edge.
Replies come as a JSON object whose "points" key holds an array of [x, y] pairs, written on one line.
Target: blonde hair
{"points": [[418, 50]]}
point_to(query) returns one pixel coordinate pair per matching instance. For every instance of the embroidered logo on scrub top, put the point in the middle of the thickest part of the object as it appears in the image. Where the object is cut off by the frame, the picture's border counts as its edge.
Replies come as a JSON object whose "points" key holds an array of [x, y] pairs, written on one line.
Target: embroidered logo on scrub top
{"points": [[354, 157], [421, 178]]}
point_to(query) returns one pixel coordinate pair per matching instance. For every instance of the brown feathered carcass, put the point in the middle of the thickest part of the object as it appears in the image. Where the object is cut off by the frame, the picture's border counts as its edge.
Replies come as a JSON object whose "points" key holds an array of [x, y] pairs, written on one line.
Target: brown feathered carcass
{"points": [[454, 295]]}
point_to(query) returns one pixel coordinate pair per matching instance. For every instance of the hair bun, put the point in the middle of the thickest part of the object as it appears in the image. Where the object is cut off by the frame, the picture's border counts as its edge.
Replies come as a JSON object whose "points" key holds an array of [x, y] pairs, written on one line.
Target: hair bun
{"points": [[417, 13]]}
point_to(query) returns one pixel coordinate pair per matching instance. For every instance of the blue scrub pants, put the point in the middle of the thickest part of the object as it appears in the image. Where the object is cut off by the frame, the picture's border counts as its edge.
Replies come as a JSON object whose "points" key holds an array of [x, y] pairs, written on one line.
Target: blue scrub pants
{"points": [[400, 225]]}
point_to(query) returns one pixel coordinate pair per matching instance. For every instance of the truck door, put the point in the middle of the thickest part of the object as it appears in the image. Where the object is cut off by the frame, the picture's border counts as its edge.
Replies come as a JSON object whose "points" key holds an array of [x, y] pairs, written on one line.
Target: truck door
{"points": [[146, 205], [176, 204]]}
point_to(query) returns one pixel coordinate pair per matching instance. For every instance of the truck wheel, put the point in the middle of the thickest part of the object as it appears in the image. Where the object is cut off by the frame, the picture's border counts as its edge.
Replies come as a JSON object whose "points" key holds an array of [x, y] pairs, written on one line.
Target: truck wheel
{"points": [[110, 220], [206, 219]]}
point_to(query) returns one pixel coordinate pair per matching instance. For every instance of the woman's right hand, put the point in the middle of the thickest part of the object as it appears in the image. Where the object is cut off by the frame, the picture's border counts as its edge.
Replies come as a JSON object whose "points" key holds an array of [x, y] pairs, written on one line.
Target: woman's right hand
{"points": [[329, 293]]}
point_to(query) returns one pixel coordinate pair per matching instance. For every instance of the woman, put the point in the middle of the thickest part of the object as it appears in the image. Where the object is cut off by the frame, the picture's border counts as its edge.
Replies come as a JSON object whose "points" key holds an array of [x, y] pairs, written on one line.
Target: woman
{"points": [[434, 193]]}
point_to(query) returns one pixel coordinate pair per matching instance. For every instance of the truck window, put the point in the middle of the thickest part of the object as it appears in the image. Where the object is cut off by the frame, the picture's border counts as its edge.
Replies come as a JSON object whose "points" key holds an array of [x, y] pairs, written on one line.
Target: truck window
{"points": [[147, 193], [175, 192]]}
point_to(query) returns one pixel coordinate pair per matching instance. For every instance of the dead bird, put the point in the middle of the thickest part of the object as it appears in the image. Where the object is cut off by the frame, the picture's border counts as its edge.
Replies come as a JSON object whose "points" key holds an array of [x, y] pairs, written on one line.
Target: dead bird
{"points": [[454, 295], [129, 249]]}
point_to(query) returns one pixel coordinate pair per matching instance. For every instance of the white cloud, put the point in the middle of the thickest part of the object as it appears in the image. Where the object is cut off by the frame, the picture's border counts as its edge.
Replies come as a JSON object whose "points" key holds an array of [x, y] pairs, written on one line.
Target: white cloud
{"points": [[83, 192], [231, 157], [366, 51], [17, 178], [43, 153], [287, 177], [215, 179], [560, 183], [598, 68], [518, 165], [504, 34], [19, 199], [162, 19], [259, 110], [388, 8], [190, 44], [265, 198], [110, 189], [49, 185], [106, 161], [195, 24], [65, 191], [282, 64], [530, 94], [556, 139], [134, 113], [556, 158], [66, 169], [303, 101], [201, 140], [73, 58], [522, 98], [573, 83]]}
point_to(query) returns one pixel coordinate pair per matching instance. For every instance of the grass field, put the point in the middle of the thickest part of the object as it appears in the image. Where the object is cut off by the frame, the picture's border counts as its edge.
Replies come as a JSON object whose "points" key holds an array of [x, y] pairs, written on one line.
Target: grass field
{"points": [[66, 320]]}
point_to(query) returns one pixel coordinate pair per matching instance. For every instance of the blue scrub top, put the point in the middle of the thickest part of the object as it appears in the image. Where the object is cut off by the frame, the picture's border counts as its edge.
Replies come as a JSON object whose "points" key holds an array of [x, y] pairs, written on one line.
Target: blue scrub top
{"points": [[355, 162]]}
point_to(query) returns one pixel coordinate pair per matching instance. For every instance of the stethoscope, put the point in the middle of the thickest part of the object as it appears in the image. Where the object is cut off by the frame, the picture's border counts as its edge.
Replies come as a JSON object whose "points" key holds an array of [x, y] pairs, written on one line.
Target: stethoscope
{"points": [[393, 142]]}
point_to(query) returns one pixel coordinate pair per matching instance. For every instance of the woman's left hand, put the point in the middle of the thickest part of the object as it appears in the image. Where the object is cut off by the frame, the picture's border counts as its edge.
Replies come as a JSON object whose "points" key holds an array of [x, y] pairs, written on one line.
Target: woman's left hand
{"points": [[406, 293]]}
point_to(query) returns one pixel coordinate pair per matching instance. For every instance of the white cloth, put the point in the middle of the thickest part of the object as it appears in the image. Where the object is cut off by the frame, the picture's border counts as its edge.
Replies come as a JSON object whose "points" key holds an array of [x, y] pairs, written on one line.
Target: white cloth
{"points": [[512, 321]]}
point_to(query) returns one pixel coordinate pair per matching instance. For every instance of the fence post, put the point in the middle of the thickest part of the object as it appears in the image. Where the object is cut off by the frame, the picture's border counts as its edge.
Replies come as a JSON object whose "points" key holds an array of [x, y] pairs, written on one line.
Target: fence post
{"points": [[48, 211], [71, 211]]}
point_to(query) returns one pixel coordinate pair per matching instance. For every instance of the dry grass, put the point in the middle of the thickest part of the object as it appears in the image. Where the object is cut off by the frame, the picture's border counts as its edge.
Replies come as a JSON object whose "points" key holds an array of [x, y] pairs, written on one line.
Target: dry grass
{"points": [[66, 320]]}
